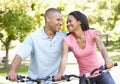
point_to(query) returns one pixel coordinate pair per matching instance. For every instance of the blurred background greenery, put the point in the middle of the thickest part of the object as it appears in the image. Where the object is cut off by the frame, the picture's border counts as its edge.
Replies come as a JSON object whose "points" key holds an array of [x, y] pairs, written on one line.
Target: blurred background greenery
{"points": [[20, 17]]}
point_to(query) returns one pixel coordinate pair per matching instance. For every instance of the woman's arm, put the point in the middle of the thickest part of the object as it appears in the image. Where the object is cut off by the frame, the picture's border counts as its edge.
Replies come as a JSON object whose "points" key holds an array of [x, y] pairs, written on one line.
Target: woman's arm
{"points": [[63, 61], [103, 51]]}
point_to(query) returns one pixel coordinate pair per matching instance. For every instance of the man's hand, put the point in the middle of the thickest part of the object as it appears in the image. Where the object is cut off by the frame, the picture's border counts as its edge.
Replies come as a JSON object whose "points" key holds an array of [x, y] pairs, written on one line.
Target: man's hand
{"points": [[98, 33], [12, 76]]}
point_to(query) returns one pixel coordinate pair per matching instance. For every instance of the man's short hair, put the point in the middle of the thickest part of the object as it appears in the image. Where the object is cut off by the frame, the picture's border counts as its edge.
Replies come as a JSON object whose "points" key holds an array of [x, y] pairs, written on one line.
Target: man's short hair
{"points": [[51, 10]]}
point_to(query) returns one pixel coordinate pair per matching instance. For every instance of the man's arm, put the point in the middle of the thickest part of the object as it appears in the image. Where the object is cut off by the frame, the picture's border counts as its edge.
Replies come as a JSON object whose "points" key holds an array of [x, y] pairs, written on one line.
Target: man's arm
{"points": [[12, 76]]}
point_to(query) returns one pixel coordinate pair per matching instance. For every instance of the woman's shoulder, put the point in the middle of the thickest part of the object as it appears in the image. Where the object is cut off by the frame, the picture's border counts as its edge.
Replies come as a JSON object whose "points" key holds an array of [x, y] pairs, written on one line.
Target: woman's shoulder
{"points": [[69, 37], [90, 31]]}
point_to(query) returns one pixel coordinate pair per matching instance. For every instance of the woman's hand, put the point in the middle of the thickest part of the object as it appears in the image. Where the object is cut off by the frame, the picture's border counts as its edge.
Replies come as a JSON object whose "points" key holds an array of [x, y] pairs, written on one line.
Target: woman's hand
{"points": [[57, 77], [109, 64]]}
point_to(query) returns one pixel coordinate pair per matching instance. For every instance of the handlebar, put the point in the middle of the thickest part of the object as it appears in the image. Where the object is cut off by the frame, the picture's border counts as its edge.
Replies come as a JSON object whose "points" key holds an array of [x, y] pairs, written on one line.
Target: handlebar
{"points": [[67, 77], [21, 78], [115, 64]]}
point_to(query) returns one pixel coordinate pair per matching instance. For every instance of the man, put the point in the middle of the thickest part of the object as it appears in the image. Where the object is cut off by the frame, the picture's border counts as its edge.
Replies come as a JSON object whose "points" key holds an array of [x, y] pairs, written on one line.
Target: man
{"points": [[44, 48]]}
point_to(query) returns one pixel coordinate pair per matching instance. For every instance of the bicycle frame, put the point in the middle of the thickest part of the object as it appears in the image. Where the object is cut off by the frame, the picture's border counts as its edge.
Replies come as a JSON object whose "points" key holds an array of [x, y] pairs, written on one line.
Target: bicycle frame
{"points": [[68, 78]]}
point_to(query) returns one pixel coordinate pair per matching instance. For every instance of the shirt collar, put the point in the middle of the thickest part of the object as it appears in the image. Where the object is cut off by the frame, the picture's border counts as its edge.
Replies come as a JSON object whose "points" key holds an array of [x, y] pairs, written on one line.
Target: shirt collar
{"points": [[45, 36]]}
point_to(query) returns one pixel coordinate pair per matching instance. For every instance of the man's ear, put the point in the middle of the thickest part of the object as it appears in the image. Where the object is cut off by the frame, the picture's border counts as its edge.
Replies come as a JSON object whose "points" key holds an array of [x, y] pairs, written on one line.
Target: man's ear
{"points": [[48, 19]]}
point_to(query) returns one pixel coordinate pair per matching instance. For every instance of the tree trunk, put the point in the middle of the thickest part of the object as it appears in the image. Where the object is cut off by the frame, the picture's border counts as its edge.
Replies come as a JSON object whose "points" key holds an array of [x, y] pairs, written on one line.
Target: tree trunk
{"points": [[106, 44], [7, 54]]}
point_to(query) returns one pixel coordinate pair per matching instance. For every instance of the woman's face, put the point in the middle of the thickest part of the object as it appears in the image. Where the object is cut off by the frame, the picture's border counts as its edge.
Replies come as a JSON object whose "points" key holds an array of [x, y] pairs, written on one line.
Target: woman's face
{"points": [[72, 23]]}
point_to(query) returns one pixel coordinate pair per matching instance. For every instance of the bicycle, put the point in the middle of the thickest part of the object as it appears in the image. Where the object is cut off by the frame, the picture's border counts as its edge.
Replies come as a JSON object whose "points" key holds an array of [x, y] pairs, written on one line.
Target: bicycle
{"points": [[85, 76], [67, 78]]}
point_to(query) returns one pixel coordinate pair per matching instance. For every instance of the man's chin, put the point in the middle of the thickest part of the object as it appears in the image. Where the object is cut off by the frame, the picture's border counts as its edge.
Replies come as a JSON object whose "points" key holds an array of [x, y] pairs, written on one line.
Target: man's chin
{"points": [[58, 30]]}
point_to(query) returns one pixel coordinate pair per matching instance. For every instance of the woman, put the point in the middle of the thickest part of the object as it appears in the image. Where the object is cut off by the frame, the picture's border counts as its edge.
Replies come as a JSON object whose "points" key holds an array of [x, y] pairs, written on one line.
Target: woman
{"points": [[84, 42]]}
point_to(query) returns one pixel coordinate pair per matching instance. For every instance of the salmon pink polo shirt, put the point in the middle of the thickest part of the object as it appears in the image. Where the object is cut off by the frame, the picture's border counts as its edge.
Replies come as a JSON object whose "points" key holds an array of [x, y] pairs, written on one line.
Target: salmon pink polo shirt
{"points": [[87, 58]]}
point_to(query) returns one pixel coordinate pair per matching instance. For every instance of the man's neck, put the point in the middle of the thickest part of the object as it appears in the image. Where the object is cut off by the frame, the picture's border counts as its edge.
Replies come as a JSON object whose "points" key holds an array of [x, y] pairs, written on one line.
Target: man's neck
{"points": [[49, 32]]}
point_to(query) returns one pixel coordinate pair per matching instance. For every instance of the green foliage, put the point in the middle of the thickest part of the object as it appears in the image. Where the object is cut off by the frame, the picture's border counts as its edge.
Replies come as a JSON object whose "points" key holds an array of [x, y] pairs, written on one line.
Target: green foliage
{"points": [[16, 24], [108, 12], [20, 17], [114, 46]]}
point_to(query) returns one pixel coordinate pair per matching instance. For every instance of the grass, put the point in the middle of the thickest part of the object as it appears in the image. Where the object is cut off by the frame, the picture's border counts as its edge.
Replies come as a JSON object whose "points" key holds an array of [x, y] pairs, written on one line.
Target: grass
{"points": [[115, 58], [23, 69], [113, 46]]}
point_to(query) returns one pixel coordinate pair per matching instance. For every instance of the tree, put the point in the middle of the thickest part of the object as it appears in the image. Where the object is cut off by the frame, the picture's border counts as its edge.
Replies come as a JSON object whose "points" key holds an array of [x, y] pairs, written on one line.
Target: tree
{"points": [[109, 14], [14, 24], [104, 14]]}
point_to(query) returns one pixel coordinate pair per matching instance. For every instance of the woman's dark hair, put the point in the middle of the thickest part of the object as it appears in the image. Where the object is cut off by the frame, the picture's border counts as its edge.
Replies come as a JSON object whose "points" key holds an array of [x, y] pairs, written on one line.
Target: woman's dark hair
{"points": [[81, 17]]}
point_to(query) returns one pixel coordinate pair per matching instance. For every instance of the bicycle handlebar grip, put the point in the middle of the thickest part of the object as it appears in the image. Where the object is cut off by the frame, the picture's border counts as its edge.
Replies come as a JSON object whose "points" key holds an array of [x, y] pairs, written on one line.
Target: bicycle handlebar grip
{"points": [[62, 78], [65, 77], [19, 77], [115, 64], [6, 78]]}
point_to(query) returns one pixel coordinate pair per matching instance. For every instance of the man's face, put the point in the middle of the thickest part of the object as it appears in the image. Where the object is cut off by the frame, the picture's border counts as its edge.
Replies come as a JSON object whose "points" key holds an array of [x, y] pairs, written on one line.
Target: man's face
{"points": [[55, 21]]}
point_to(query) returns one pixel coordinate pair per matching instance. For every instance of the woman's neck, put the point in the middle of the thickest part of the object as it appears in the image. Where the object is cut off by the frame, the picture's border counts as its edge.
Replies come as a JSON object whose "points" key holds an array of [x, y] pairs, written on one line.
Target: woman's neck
{"points": [[79, 34]]}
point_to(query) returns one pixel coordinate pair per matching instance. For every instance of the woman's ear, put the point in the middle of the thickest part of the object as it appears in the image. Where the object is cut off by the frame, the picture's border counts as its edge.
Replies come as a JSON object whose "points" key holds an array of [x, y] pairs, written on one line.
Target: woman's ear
{"points": [[79, 22]]}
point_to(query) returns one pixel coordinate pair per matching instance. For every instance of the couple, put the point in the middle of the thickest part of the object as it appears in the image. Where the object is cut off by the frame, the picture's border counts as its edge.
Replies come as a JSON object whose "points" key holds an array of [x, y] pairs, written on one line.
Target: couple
{"points": [[48, 49]]}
